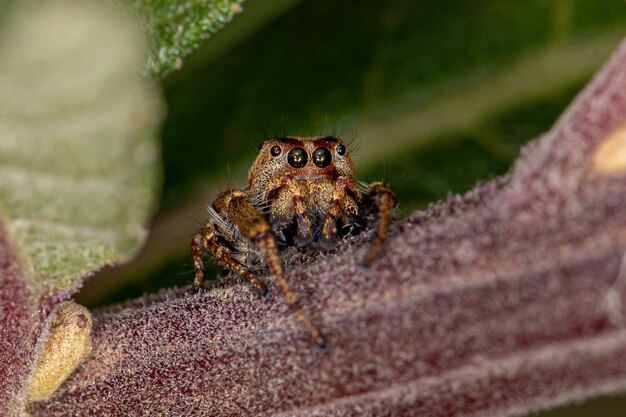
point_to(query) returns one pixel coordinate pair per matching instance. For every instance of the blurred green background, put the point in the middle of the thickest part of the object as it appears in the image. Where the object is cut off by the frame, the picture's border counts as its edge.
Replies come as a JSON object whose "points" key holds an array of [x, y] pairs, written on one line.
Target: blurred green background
{"points": [[435, 96]]}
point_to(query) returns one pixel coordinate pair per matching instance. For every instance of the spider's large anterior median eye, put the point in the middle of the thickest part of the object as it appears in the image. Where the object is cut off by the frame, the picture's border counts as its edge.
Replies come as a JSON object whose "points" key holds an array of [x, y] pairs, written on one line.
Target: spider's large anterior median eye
{"points": [[322, 157], [297, 157], [275, 151]]}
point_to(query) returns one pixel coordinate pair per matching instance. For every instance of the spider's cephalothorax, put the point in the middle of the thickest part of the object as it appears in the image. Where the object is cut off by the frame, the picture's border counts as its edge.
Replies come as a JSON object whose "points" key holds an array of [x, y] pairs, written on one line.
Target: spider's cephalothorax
{"points": [[301, 192]]}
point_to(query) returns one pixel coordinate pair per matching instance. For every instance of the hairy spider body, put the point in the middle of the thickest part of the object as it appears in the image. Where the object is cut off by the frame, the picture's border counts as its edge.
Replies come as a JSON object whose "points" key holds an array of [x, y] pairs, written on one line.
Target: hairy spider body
{"points": [[301, 192]]}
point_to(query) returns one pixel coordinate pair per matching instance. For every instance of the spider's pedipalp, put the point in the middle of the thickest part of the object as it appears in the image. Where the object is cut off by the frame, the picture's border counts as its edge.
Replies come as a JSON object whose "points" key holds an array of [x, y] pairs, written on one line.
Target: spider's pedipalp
{"points": [[343, 200], [304, 233]]}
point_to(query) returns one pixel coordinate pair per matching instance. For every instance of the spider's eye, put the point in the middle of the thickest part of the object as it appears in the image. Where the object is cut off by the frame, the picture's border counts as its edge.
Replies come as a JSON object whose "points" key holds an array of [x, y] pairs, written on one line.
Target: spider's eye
{"points": [[341, 150], [275, 151], [322, 157], [297, 157]]}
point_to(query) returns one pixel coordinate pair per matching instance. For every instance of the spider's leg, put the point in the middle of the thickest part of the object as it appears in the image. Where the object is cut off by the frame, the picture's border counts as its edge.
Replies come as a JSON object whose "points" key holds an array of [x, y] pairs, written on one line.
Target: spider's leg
{"points": [[343, 197], [305, 232], [256, 228], [384, 200], [208, 240]]}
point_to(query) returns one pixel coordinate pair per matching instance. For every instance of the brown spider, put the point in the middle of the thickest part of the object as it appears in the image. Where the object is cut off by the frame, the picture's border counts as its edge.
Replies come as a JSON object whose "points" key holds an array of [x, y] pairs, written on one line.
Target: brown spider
{"points": [[301, 192]]}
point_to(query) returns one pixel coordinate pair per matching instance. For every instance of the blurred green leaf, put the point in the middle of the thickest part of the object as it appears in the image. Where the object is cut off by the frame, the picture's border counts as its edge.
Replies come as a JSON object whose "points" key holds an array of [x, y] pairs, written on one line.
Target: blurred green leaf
{"points": [[369, 70], [78, 156], [455, 163], [175, 29]]}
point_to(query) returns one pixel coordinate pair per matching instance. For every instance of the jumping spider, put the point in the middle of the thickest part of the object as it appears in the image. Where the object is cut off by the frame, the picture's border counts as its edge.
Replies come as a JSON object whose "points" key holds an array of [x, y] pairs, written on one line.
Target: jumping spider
{"points": [[301, 192]]}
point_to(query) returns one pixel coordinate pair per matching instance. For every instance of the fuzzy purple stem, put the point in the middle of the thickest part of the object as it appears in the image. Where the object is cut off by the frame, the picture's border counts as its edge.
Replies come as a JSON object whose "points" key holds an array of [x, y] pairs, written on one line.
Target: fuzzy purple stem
{"points": [[20, 322]]}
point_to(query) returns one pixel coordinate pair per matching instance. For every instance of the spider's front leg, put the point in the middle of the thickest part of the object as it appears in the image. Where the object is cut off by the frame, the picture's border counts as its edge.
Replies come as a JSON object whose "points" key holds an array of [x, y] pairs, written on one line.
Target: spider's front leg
{"points": [[384, 199], [251, 223]]}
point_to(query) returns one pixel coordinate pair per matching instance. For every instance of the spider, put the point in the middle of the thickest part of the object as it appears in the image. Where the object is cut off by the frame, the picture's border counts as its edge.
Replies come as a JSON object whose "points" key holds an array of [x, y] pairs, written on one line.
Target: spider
{"points": [[301, 192]]}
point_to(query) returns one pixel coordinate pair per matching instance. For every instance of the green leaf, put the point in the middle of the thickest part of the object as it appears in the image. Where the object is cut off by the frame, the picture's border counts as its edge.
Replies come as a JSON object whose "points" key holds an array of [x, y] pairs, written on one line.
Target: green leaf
{"points": [[78, 127], [176, 28]]}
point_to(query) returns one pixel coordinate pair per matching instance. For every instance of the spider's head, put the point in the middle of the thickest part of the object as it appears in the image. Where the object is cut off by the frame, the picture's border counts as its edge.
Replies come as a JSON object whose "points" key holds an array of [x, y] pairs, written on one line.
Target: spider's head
{"points": [[304, 158]]}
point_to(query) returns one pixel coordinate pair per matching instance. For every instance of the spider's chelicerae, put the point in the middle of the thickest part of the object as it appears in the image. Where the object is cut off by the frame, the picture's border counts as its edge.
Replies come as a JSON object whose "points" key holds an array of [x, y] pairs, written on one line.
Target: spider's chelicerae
{"points": [[301, 192]]}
